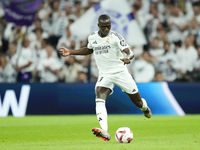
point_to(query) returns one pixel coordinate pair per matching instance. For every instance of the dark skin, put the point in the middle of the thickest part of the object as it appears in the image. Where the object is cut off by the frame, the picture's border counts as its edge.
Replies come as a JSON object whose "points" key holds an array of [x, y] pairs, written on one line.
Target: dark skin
{"points": [[104, 24]]}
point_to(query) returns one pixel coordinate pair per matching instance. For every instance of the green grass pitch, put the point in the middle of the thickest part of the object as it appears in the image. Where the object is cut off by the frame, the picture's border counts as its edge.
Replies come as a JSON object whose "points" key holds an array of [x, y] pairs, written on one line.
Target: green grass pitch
{"points": [[74, 132]]}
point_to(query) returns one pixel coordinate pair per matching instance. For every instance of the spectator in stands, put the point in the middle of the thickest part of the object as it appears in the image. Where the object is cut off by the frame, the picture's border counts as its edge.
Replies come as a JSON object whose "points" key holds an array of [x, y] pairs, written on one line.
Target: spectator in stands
{"points": [[32, 31], [65, 19], [137, 50], [71, 70], [68, 11], [78, 10], [159, 4], [168, 4], [45, 10], [14, 33], [67, 39], [23, 62], [11, 51], [193, 29], [187, 56], [193, 40], [143, 70], [168, 64], [72, 19], [156, 15], [164, 21], [7, 72], [177, 23], [2, 21], [196, 72], [1, 45], [140, 13], [160, 34], [36, 24], [82, 77], [186, 7], [196, 9], [57, 23], [64, 3], [48, 69], [155, 51], [159, 77], [37, 43], [73, 44]]}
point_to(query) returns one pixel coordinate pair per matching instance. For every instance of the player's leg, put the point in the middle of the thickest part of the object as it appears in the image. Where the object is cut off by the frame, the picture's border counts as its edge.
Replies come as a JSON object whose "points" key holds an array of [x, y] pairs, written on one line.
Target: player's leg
{"points": [[140, 103], [136, 99], [103, 88], [101, 95], [125, 81]]}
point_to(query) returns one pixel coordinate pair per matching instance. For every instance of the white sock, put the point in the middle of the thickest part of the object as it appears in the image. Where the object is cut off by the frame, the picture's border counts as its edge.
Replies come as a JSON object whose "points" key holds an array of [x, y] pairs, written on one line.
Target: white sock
{"points": [[101, 113], [144, 106]]}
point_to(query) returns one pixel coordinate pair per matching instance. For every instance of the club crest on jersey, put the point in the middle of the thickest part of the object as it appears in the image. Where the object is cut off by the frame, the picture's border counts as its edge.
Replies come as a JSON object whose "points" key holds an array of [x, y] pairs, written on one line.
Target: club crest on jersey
{"points": [[107, 40]]}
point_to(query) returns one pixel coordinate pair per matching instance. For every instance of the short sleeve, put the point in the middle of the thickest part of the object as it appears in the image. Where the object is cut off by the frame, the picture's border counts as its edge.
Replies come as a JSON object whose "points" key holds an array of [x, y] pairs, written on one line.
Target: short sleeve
{"points": [[121, 43], [89, 45]]}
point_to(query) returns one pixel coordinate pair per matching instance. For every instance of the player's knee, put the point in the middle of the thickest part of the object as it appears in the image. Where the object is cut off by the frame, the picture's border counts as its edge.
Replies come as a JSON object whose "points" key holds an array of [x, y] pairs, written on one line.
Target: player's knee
{"points": [[99, 95], [102, 93]]}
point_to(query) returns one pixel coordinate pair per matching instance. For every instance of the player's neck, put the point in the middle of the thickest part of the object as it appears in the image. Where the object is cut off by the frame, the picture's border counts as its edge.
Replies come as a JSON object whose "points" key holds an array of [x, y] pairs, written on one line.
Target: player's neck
{"points": [[101, 35]]}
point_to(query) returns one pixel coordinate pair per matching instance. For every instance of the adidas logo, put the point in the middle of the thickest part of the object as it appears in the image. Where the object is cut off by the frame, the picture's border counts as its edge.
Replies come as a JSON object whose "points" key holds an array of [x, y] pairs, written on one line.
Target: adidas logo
{"points": [[100, 119], [133, 90], [95, 42]]}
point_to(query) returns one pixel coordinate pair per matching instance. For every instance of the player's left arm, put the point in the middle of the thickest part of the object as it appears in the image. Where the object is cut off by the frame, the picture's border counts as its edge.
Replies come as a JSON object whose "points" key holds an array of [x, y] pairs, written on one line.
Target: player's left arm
{"points": [[125, 49], [128, 55]]}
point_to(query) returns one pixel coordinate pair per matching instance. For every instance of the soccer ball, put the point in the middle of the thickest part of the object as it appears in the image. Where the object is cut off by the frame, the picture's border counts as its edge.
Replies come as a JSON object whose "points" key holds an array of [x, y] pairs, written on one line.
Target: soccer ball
{"points": [[124, 135]]}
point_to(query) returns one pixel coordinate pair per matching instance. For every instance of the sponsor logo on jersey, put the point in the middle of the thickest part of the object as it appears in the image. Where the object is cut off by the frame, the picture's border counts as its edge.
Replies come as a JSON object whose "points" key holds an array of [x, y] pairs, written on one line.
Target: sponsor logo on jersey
{"points": [[101, 49]]}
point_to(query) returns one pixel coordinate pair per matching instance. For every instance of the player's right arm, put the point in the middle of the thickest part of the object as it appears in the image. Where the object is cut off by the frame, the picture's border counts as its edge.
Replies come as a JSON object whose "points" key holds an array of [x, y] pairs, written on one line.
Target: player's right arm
{"points": [[82, 51]]}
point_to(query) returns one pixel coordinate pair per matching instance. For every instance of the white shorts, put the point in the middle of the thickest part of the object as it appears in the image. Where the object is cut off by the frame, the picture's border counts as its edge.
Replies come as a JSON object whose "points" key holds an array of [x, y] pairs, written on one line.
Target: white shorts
{"points": [[122, 79]]}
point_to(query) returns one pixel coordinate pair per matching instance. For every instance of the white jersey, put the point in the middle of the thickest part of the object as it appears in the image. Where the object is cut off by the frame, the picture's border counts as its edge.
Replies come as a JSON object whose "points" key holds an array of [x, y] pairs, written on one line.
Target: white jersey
{"points": [[107, 51]]}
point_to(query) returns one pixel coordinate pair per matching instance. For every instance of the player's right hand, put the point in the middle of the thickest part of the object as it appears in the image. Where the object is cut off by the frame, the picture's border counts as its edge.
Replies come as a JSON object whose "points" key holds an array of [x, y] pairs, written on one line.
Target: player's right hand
{"points": [[64, 51]]}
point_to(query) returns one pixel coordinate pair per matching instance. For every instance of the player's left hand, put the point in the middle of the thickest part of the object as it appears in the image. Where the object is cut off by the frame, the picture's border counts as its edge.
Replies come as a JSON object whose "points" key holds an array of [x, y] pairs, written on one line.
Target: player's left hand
{"points": [[125, 60]]}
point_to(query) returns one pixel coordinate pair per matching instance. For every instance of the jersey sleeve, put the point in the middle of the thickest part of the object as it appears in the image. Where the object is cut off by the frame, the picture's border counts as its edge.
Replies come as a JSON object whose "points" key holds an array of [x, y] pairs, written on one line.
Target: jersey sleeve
{"points": [[89, 45], [121, 43]]}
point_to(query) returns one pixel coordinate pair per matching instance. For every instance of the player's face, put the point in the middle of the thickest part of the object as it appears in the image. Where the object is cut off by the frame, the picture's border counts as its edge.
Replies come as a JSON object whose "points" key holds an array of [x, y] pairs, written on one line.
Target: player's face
{"points": [[104, 27]]}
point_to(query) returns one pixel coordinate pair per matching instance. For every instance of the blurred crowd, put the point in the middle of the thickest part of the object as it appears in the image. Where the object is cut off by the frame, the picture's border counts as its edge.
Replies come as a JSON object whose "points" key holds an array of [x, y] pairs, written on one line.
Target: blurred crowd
{"points": [[172, 52]]}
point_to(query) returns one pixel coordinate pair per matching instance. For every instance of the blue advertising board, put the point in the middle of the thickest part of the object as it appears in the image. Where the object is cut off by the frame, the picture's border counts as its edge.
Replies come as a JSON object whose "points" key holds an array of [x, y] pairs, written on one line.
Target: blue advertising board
{"points": [[75, 98]]}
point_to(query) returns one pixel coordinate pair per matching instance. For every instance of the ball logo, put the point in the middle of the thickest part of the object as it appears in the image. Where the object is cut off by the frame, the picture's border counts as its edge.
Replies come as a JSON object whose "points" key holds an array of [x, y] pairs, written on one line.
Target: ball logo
{"points": [[119, 22]]}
